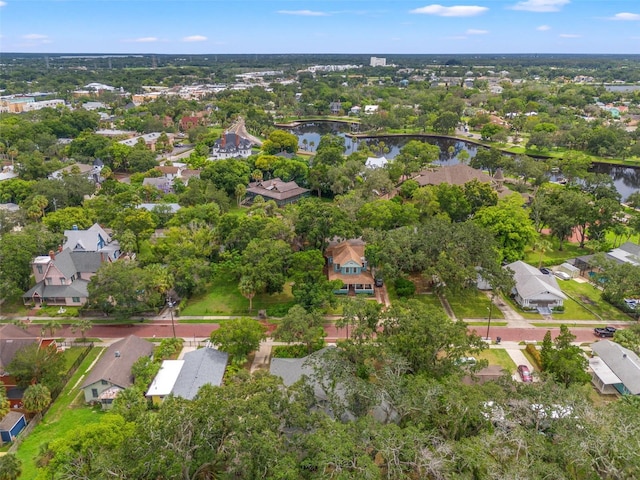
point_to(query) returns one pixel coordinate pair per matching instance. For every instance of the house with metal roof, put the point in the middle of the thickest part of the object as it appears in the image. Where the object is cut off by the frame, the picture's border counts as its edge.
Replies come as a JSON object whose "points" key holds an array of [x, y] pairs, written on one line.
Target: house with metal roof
{"points": [[615, 369], [534, 289], [112, 372]]}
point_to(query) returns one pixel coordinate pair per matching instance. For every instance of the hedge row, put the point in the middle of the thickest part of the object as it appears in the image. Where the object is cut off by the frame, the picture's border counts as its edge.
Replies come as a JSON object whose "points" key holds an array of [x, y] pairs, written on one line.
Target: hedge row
{"points": [[535, 354]]}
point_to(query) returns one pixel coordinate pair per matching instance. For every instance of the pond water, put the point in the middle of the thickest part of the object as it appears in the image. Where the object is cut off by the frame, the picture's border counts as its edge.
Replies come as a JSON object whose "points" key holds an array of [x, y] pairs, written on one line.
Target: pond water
{"points": [[626, 179]]}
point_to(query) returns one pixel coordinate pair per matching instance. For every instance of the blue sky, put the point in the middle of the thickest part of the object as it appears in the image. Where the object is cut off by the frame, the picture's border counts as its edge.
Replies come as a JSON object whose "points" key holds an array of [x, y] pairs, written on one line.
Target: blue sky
{"points": [[320, 26]]}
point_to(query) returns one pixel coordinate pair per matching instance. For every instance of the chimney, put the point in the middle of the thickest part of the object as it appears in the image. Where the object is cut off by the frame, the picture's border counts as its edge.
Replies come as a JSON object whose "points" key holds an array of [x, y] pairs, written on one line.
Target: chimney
{"points": [[223, 142], [52, 254], [59, 248]]}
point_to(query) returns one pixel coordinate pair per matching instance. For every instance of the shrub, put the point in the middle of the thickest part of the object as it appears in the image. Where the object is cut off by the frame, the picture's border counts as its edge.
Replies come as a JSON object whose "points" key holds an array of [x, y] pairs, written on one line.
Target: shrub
{"points": [[168, 347], [404, 287], [535, 354], [279, 310]]}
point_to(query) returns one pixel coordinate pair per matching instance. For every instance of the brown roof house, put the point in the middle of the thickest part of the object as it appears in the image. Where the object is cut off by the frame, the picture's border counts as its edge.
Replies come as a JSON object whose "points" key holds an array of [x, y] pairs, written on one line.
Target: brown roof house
{"points": [[12, 339], [461, 174], [346, 262], [283, 193], [112, 373]]}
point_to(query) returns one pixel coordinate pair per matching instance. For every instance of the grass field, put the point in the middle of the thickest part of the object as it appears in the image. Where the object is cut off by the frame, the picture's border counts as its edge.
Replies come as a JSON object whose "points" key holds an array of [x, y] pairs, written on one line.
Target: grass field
{"points": [[590, 297], [65, 415], [554, 256], [224, 298], [472, 304], [498, 356]]}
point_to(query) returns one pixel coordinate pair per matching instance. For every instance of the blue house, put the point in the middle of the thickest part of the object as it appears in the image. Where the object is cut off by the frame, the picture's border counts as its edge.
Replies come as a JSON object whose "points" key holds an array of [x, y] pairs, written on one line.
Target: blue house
{"points": [[11, 425], [346, 262]]}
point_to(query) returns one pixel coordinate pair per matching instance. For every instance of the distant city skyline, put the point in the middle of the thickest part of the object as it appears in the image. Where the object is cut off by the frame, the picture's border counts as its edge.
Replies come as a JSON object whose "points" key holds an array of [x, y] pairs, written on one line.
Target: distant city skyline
{"points": [[320, 26]]}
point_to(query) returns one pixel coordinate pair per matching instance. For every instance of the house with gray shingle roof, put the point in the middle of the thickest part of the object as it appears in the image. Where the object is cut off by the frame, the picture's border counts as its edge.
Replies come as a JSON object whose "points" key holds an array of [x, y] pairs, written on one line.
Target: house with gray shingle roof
{"points": [[184, 378], [62, 277], [205, 366], [112, 372], [618, 369], [535, 289], [94, 239]]}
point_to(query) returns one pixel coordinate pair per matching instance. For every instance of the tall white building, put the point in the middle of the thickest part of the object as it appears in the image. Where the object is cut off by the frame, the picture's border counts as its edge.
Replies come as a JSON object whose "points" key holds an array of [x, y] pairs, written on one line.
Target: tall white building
{"points": [[378, 62]]}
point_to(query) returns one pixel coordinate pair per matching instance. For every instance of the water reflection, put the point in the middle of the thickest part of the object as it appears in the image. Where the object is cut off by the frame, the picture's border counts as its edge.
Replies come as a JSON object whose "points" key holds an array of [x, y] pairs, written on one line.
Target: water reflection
{"points": [[626, 179]]}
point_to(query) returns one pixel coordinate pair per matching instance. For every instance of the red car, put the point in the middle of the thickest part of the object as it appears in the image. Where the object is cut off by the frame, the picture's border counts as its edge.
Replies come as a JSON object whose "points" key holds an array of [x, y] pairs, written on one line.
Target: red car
{"points": [[525, 374]]}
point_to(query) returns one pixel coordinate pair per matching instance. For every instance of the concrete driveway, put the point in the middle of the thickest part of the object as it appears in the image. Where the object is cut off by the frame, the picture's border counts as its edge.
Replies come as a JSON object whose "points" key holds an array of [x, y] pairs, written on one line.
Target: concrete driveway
{"points": [[518, 358]]}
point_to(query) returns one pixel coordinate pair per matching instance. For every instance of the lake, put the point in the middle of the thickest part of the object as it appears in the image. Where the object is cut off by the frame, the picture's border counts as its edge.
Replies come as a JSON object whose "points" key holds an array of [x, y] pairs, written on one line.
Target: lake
{"points": [[626, 179]]}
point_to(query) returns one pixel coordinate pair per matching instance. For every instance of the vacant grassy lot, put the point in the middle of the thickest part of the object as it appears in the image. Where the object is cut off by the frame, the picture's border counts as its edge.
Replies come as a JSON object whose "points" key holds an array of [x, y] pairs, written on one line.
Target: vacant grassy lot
{"points": [[498, 356], [590, 297], [224, 298], [555, 256], [65, 415], [472, 304]]}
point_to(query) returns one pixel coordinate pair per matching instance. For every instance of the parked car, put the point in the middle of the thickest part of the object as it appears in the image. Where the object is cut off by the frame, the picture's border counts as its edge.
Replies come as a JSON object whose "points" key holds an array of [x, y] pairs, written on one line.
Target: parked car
{"points": [[525, 374], [546, 271], [562, 275], [379, 282], [606, 332], [631, 303]]}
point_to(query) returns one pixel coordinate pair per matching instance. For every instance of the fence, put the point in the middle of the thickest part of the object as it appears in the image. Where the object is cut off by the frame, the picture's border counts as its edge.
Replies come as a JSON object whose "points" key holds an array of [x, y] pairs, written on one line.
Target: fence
{"points": [[54, 395]]}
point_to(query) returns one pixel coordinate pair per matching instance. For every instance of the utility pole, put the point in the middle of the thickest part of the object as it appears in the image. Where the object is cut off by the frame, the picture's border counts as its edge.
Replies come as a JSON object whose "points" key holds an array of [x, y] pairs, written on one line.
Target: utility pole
{"points": [[489, 322], [173, 325]]}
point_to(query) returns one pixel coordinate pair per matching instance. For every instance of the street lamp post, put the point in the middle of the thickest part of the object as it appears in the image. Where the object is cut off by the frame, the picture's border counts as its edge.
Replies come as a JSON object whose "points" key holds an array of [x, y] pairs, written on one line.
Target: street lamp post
{"points": [[173, 326], [489, 322]]}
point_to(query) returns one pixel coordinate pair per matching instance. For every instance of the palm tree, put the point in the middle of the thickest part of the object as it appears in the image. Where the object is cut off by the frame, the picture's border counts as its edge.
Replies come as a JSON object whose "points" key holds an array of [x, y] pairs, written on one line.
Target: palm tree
{"points": [[82, 325], [542, 245], [36, 398], [10, 467], [53, 326]]}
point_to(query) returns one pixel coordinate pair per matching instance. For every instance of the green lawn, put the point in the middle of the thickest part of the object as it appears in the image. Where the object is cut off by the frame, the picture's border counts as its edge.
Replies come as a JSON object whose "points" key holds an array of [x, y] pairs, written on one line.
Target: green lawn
{"points": [[65, 415], [555, 256], [224, 298], [429, 299], [590, 297], [498, 356], [472, 304]]}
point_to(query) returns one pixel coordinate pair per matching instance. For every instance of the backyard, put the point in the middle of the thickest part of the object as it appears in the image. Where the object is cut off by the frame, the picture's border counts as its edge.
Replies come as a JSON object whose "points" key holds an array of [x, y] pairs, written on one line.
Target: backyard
{"points": [[66, 414]]}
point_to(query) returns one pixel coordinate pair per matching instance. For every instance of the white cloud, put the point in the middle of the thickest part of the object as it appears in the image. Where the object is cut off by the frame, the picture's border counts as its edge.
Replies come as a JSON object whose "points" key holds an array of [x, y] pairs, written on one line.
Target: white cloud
{"points": [[3, 4], [473, 31], [195, 38], [35, 36], [569, 35], [303, 13], [543, 28], [145, 39], [626, 16], [455, 11], [540, 5]]}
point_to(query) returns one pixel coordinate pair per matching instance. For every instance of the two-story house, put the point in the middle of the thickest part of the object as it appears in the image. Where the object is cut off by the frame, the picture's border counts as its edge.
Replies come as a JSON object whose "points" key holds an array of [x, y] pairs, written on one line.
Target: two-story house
{"points": [[62, 277], [346, 262], [231, 145]]}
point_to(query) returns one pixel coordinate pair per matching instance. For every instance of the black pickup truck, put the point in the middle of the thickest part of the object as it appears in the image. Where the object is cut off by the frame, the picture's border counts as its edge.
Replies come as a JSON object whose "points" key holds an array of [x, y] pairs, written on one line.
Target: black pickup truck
{"points": [[605, 332]]}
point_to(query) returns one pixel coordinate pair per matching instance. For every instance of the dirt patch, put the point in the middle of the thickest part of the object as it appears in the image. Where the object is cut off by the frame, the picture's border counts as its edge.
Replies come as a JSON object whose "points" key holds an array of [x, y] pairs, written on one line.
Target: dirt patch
{"points": [[422, 285], [586, 300]]}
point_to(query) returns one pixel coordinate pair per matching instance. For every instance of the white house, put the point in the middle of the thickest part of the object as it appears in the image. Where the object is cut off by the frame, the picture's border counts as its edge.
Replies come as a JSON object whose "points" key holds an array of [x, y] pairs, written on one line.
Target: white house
{"points": [[535, 289]]}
